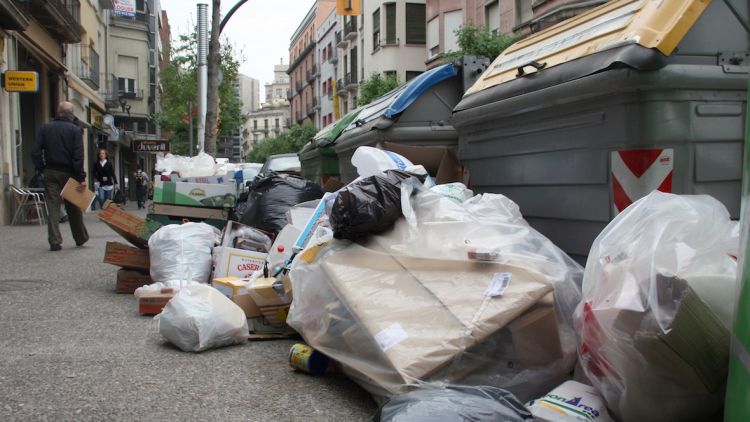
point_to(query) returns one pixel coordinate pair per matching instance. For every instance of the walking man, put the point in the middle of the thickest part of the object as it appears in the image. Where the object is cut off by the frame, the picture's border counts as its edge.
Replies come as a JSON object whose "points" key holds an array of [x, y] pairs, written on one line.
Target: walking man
{"points": [[58, 152]]}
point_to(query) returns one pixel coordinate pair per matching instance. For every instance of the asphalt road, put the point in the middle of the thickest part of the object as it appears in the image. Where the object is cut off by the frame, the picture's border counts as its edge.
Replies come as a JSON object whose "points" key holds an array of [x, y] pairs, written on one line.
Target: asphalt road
{"points": [[73, 349]]}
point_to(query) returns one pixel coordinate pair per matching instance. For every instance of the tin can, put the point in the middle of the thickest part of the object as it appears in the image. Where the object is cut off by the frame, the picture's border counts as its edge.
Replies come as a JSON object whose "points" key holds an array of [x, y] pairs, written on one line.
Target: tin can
{"points": [[304, 358]]}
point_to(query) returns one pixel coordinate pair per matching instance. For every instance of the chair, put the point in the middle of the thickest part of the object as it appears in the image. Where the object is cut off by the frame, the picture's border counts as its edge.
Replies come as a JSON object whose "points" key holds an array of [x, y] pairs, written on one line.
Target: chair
{"points": [[28, 203]]}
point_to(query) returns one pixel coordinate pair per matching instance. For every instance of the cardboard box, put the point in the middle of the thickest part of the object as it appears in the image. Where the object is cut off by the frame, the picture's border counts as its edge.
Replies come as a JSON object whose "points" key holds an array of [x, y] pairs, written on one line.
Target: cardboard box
{"points": [[165, 220], [232, 262], [237, 289], [535, 336], [273, 305], [129, 280], [189, 212], [125, 256], [227, 178], [82, 200], [195, 194], [152, 303], [232, 231], [440, 162], [133, 229]]}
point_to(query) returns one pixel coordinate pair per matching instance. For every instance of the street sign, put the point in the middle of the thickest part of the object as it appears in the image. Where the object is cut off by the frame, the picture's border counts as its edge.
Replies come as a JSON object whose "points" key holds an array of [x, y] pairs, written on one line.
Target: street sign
{"points": [[151, 146], [20, 81]]}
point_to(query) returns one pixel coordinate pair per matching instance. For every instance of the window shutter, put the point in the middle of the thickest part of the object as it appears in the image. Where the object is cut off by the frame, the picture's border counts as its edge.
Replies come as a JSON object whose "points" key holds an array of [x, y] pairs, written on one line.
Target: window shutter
{"points": [[390, 23], [415, 23]]}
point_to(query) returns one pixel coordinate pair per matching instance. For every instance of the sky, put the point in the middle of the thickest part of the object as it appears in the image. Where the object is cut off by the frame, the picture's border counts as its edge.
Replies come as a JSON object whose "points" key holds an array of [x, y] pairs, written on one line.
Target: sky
{"points": [[260, 28]]}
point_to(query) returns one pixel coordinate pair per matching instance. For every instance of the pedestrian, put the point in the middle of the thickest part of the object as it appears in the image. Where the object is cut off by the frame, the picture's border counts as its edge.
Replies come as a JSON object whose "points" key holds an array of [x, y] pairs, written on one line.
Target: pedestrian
{"points": [[104, 173], [58, 152], [141, 187]]}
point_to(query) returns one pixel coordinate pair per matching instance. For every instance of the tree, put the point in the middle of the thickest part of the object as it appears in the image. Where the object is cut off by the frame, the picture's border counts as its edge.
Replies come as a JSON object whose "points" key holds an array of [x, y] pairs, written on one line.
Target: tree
{"points": [[476, 40], [290, 141], [375, 87], [179, 81], [213, 75]]}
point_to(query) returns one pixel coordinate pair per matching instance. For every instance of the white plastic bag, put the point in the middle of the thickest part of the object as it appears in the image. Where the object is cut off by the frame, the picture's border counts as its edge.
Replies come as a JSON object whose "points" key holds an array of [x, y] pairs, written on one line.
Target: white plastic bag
{"points": [[654, 321], [182, 252], [371, 161], [175, 285], [200, 317], [201, 165]]}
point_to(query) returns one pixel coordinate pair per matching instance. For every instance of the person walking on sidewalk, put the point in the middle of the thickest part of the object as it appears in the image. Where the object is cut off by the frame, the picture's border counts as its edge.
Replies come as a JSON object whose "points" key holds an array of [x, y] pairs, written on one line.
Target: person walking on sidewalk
{"points": [[104, 173], [141, 187], [58, 152]]}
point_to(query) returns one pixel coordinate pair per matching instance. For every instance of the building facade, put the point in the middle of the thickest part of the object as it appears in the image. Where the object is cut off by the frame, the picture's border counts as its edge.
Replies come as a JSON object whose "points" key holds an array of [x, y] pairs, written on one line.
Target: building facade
{"points": [[277, 91], [249, 93], [303, 71], [327, 60], [512, 17], [273, 116], [388, 38]]}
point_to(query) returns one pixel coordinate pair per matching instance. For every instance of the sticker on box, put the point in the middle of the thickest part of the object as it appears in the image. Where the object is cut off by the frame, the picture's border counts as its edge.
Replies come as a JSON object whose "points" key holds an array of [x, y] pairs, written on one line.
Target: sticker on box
{"points": [[391, 336]]}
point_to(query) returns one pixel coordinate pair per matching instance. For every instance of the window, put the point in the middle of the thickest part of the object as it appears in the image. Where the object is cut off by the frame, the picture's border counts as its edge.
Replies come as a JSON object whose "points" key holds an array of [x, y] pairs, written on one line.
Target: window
{"points": [[126, 85], [411, 74], [279, 92], [255, 125], [433, 37], [376, 29], [492, 17], [276, 121], [451, 22], [325, 87], [415, 23], [265, 123], [390, 23], [127, 73], [523, 11], [390, 73]]}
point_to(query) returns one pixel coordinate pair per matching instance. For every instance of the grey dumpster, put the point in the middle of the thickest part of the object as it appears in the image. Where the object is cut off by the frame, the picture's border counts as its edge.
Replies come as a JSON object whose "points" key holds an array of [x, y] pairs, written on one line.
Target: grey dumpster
{"points": [[578, 121]]}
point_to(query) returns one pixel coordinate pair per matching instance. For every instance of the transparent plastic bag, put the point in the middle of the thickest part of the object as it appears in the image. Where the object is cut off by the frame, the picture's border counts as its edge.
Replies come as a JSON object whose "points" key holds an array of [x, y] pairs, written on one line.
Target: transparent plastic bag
{"points": [[371, 161], [656, 309], [200, 317], [178, 251], [420, 303], [201, 165]]}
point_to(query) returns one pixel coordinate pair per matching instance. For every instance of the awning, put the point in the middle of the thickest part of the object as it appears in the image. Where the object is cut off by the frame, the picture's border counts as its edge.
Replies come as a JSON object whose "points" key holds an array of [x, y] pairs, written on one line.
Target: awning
{"points": [[395, 102], [37, 50]]}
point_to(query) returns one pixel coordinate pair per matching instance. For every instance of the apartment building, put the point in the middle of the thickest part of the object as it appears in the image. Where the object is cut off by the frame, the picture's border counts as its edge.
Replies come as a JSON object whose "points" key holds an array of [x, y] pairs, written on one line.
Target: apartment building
{"points": [[387, 38], [277, 91], [273, 116], [513, 17], [34, 36], [249, 93], [327, 60], [303, 70]]}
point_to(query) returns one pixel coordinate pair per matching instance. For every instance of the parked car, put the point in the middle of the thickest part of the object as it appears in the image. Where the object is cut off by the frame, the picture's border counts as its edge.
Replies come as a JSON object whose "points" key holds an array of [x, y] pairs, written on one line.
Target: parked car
{"points": [[281, 163]]}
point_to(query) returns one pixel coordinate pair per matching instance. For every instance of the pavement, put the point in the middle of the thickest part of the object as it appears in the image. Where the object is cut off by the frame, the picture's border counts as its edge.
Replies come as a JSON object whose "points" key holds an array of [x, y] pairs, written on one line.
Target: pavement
{"points": [[73, 349]]}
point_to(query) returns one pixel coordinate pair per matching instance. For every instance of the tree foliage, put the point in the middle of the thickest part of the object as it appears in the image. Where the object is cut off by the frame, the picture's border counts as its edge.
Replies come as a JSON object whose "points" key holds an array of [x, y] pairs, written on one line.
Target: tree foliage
{"points": [[375, 87], [179, 82], [290, 141], [476, 40]]}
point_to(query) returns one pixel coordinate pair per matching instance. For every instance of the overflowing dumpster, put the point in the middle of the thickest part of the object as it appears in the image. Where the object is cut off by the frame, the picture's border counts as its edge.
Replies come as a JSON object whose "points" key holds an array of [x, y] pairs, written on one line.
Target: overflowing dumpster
{"points": [[318, 157], [417, 113], [578, 121]]}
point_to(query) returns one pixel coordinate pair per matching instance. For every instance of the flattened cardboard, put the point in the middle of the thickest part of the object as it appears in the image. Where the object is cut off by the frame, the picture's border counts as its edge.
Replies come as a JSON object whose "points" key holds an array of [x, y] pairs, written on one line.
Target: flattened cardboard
{"points": [[132, 228], [125, 256], [440, 162], [81, 200], [129, 280], [189, 212], [152, 303]]}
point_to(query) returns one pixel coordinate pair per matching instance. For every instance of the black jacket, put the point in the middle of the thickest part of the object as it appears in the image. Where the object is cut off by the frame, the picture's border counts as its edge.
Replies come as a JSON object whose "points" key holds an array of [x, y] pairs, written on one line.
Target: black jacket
{"points": [[59, 146], [107, 171]]}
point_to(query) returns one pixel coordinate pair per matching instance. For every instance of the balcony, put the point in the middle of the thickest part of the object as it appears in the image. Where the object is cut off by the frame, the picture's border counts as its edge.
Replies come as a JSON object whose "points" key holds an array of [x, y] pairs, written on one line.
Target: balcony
{"points": [[330, 93], [109, 90], [341, 42], [289, 95], [341, 88], [316, 103], [334, 57], [350, 29], [350, 80], [84, 62], [61, 18], [310, 110], [298, 86], [299, 118], [309, 76]]}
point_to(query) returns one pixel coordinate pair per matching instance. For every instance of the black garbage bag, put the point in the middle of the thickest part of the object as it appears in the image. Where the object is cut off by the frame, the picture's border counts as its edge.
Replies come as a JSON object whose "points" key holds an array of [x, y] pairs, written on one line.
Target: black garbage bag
{"points": [[368, 206], [454, 403], [272, 197]]}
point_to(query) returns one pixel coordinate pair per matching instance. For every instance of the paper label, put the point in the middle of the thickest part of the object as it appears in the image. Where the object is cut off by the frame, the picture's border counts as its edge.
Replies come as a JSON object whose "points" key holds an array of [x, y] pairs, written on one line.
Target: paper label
{"points": [[391, 336], [498, 285]]}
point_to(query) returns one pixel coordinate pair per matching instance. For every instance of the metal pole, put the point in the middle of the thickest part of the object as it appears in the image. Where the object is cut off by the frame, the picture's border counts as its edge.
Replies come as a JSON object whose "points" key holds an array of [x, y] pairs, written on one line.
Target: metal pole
{"points": [[230, 13], [202, 72], [190, 128]]}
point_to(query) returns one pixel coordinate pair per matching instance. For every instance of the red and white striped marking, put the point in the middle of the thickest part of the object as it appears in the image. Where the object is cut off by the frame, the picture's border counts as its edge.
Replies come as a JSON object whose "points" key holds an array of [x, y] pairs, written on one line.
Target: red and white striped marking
{"points": [[635, 173]]}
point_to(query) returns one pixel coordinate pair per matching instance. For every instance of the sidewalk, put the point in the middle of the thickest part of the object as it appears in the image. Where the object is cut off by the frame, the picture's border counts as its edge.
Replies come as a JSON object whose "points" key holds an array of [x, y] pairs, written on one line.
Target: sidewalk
{"points": [[71, 348]]}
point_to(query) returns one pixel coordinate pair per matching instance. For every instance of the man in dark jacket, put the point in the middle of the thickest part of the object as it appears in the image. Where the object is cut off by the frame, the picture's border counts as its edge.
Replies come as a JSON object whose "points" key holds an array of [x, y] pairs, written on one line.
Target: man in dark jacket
{"points": [[58, 152]]}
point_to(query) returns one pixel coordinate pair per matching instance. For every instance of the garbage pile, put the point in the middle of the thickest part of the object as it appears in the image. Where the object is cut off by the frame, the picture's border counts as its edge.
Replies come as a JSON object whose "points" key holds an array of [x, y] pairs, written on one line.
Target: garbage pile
{"points": [[443, 303]]}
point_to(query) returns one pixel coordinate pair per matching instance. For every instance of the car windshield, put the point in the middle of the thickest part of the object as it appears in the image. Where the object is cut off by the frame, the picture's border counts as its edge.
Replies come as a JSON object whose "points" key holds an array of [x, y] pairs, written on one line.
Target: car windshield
{"points": [[284, 163]]}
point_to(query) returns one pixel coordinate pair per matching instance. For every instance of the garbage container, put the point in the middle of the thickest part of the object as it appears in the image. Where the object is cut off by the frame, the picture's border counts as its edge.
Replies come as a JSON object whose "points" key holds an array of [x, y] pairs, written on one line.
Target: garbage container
{"points": [[578, 121], [417, 113], [318, 157]]}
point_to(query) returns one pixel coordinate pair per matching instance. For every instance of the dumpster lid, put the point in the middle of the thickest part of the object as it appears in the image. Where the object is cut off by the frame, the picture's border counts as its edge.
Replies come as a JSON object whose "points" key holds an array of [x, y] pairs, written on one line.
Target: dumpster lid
{"points": [[395, 102], [328, 134], [657, 24]]}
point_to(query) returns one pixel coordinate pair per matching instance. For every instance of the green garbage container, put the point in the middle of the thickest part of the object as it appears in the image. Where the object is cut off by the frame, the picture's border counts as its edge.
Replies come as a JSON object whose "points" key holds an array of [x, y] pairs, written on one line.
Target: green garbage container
{"points": [[318, 157]]}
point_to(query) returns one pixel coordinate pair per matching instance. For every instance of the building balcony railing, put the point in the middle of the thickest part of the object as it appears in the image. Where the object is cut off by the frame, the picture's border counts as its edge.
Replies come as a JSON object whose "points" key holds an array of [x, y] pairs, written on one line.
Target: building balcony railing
{"points": [[61, 18], [298, 86], [309, 76], [316, 103], [298, 117], [350, 80], [289, 95], [341, 88], [340, 41], [334, 57], [350, 28], [330, 93], [310, 110], [84, 62]]}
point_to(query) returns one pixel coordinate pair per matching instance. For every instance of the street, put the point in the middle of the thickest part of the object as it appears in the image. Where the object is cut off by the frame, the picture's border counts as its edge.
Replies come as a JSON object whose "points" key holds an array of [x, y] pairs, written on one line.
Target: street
{"points": [[73, 349]]}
